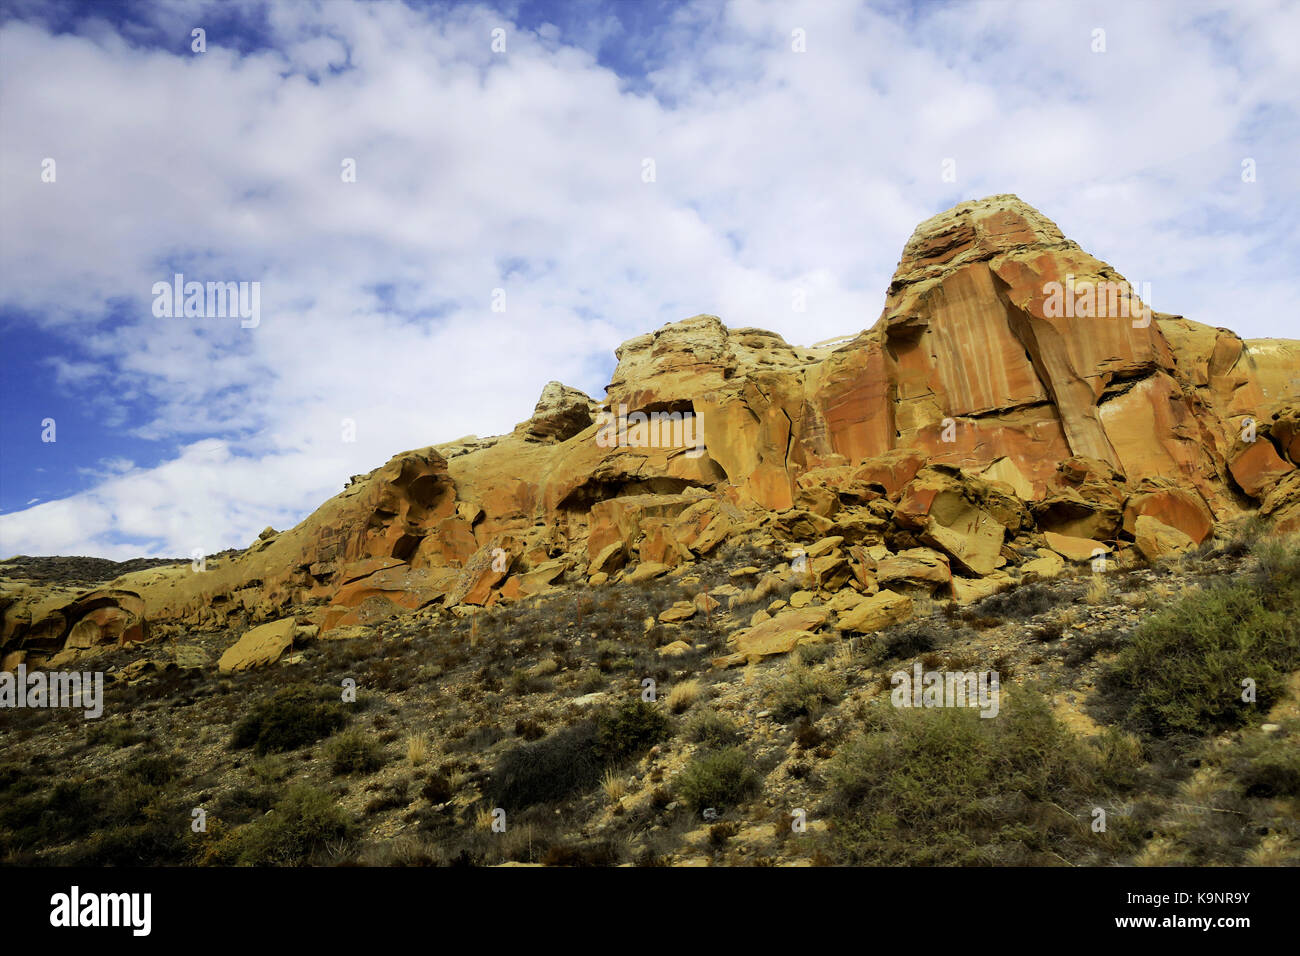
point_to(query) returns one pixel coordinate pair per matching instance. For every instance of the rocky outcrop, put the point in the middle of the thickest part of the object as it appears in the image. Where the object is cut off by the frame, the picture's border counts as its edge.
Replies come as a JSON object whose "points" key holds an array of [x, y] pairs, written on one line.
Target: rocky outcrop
{"points": [[1016, 405]]}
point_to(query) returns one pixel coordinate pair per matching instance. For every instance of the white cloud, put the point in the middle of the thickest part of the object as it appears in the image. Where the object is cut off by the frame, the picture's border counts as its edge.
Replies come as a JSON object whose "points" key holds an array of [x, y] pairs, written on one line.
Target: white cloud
{"points": [[776, 170]]}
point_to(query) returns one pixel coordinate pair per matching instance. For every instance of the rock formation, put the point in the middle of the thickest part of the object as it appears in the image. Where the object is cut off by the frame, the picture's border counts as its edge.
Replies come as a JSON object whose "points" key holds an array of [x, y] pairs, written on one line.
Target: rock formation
{"points": [[1016, 405]]}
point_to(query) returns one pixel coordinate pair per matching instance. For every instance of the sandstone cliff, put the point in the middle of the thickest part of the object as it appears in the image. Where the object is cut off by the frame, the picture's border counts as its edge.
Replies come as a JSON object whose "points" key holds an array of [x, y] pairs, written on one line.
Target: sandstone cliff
{"points": [[1014, 403]]}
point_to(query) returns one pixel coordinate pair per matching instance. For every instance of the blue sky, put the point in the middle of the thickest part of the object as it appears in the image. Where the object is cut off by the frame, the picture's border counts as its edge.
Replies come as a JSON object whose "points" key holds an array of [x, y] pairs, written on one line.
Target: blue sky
{"points": [[777, 170]]}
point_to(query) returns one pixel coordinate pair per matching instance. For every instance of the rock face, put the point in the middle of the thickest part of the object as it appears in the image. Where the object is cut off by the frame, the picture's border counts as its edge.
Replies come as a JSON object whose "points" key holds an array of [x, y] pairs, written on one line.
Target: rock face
{"points": [[1015, 401]]}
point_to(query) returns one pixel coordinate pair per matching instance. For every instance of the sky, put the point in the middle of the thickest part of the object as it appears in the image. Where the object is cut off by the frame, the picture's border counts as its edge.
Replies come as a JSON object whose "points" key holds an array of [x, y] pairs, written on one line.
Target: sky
{"points": [[445, 206]]}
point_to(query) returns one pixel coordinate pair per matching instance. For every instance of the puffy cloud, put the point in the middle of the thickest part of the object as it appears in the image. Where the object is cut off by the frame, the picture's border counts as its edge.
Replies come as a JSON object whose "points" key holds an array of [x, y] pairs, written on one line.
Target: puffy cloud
{"points": [[522, 171]]}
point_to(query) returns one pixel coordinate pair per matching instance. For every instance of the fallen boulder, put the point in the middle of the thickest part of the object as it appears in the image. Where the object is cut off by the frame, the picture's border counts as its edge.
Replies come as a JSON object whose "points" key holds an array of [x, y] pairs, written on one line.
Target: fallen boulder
{"points": [[258, 647]]}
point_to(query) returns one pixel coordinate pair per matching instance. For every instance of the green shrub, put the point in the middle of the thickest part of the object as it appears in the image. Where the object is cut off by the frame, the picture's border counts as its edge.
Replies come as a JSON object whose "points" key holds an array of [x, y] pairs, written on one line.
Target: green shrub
{"points": [[802, 690], [1182, 672], [549, 769], [1278, 573], [523, 680], [301, 826], [113, 733], [1018, 604], [155, 770], [354, 751], [712, 729], [589, 680], [573, 758], [150, 842], [906, 640], [813, 654], [437, 789], [945, 786], [716, 778], [599, 853], [293, 718], [66, 811], [1267, 765], [128, 819], [628, 730]]}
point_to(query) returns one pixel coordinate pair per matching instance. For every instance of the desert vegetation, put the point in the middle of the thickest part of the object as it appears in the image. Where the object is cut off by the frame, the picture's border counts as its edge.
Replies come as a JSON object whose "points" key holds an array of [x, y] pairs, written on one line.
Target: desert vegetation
{"points": [[1127, 709]]}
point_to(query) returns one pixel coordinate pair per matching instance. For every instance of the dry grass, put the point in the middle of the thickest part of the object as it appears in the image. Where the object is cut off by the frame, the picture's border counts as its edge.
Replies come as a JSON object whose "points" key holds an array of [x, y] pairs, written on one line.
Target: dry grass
{"points": [[924, 606], [417, 749], [614, 785], [1205, 785], [684, 695], [1276, 849], [1098, 590], [844, 654]]}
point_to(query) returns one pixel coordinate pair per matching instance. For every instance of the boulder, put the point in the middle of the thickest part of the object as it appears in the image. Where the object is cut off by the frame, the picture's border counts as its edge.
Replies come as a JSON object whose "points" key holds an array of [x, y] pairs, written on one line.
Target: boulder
{"points": [[608, 560], [561, 413], [891, 471], [1257, 467], [680, 611], [967, 590], [258, 647], [947, 508], [876, 613], [646, 572], [534, 582], [830, 571], [1157, 540], [779, 635], [1282, 504], [190, 656], [1170, 504], [675, 649], [1048, 564], [485, 570], [706, 603], [917, 568], [1285, 431], [1075, 549]]}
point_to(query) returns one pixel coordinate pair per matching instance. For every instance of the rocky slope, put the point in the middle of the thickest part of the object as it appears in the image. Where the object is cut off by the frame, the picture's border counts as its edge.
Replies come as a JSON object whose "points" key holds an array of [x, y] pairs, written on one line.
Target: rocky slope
{"points": [[589, 726]]}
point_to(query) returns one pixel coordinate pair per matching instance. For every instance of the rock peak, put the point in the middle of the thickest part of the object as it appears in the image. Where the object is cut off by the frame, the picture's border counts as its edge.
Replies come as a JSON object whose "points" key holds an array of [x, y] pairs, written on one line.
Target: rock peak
{"points": [[974, 230]]}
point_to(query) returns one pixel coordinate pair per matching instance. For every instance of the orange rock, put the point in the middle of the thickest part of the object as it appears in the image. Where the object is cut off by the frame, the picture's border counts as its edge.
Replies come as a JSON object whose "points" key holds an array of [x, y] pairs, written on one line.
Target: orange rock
{"points": [[1257, 467], [258, 646], [876, 612], [891, 471], [1075, 549], [485, 570], [1282, 504], [1157, 540], [1285, 431], [1177, 507], [919, 568], [779, 635]]}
